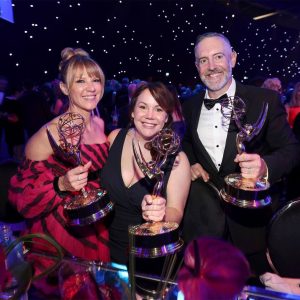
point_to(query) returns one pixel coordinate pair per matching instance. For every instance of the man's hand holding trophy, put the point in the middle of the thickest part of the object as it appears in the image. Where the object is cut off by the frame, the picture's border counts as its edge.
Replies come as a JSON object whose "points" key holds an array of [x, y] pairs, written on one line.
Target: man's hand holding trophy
{"points": [[245, 191]]}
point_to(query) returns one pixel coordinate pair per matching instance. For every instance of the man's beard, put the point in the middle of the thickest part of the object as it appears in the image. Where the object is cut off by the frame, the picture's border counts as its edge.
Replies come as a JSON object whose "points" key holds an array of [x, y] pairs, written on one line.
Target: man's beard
{"points": [[216, 86]]}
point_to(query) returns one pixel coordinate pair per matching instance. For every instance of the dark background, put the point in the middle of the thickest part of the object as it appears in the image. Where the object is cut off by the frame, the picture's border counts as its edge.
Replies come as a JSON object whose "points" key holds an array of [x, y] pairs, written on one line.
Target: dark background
{"points": [[150, 39]]}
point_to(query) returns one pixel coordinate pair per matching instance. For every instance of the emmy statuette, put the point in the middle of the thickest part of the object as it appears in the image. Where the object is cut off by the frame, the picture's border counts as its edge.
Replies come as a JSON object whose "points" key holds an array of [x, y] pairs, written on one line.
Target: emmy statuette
{"points": [[89, 206], [153, 240], [240, 191]]}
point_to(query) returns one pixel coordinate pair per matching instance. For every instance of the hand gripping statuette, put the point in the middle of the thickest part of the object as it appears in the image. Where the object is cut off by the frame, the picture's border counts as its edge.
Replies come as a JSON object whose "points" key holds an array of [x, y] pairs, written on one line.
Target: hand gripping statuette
{"points": [[89, 206], [240, 191]]}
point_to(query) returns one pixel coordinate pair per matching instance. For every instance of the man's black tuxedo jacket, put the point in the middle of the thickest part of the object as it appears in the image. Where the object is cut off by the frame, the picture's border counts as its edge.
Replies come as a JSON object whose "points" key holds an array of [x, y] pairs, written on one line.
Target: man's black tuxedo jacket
{"points": [[276, 143], [205, 213]]}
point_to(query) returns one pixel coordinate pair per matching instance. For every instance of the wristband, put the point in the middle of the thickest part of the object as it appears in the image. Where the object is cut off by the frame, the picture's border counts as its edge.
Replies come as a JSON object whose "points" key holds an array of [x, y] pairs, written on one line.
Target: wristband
{"points": [[56, 188]]}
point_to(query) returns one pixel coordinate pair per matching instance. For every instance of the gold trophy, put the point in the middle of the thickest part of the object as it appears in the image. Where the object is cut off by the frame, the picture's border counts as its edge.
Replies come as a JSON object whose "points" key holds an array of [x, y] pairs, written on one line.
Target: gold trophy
{"points": [[154, 240], [240, 191], [89, 206]]}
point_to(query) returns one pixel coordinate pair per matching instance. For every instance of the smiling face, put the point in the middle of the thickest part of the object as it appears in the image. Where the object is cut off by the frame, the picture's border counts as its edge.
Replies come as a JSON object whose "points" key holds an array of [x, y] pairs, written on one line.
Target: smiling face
{"points": [[214, 62], [148, 116], [84, 91]]}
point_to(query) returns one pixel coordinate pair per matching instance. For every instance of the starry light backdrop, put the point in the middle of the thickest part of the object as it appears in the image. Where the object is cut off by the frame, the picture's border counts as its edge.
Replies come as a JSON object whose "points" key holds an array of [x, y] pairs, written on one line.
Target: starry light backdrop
{"points": [[142, 39]]}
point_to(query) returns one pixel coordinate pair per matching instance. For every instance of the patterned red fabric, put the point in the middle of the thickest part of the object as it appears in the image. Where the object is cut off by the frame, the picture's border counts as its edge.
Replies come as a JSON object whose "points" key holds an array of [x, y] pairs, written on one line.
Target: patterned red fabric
{"points": [[293, 111], [33, 194]]}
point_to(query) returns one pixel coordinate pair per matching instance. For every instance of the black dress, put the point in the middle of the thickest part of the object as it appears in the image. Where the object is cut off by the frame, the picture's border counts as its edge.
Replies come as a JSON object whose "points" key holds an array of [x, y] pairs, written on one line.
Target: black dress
{"points": [[14, 131], [127, 210]]}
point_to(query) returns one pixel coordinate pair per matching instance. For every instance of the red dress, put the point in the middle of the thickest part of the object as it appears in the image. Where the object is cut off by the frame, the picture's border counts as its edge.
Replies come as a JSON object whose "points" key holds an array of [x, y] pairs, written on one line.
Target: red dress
{"points": [[293, 111], [33, 194]]}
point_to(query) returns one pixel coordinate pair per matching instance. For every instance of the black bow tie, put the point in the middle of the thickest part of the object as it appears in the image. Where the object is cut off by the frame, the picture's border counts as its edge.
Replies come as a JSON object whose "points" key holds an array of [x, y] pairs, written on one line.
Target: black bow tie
{"points": [[210, 103]]}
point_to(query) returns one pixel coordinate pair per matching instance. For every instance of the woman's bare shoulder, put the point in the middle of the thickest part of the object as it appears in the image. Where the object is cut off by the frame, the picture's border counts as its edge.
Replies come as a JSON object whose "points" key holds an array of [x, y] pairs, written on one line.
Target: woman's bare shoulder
{"points": [[183, 156], [38, 147], [182, 163], [111, 137]]}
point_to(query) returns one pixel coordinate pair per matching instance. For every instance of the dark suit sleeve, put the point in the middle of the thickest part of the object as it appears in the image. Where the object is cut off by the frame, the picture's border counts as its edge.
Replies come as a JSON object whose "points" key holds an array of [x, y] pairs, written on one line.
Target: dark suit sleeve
{"points": [[284, 148], [187, 142]]}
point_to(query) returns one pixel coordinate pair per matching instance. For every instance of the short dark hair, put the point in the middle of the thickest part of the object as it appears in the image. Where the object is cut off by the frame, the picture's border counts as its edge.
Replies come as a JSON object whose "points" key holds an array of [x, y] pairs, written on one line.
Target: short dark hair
{"points": [[203, 36], [162, 96]]}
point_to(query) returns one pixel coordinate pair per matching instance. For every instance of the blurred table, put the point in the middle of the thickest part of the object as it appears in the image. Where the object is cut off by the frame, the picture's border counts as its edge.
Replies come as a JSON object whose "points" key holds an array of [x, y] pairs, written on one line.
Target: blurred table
{"points": [[113, 283]]}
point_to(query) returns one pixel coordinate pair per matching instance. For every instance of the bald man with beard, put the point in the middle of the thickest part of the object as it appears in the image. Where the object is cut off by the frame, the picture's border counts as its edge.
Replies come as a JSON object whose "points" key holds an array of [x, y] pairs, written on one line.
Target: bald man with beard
{"points": [[210, 144]]}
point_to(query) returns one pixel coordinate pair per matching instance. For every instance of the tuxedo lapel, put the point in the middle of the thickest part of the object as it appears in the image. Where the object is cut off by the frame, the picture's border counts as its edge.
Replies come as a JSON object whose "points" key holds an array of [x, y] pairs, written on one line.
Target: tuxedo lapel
{"points": [[230, 148]]}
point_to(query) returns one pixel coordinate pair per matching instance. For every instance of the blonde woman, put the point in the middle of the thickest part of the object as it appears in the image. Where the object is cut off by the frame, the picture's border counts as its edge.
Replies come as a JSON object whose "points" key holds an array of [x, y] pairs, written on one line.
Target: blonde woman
{"points": [[44, 182]]}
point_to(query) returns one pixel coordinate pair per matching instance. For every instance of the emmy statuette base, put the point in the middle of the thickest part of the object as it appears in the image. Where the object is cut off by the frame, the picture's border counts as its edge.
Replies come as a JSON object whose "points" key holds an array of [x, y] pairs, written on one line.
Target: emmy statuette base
{"points": [[245, 193]]}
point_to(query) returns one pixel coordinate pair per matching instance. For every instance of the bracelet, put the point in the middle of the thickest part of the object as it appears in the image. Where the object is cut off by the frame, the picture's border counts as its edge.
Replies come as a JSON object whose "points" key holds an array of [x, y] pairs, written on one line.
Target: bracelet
{"points": [[56, 188]]}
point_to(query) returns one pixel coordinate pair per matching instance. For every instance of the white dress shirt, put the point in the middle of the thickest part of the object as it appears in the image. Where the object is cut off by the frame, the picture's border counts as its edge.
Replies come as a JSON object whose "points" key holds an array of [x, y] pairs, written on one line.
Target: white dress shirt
{"points": [[213, 128]]}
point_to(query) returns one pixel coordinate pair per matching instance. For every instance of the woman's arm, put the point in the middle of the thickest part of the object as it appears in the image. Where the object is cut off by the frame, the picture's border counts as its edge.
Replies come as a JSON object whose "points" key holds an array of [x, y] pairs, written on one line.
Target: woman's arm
{"points": [[281, 284], [111, 137], [38, 148], [36, 188], [177, 189]]}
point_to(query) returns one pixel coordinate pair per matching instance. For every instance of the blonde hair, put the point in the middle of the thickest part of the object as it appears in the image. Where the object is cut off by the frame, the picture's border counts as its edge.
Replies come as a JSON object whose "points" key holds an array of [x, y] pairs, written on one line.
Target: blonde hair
{"points": [[295, 100], [74, 59]]}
